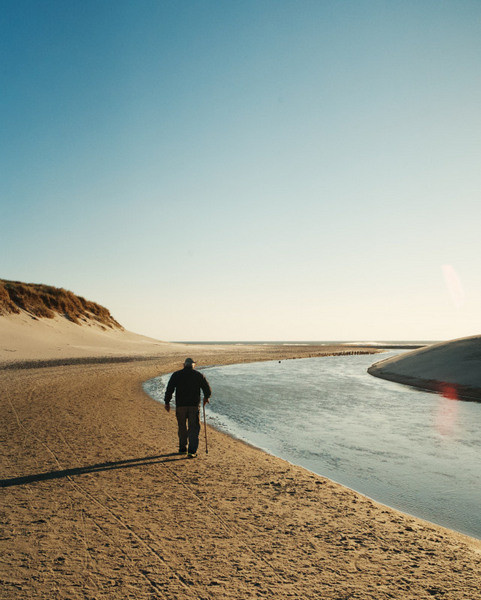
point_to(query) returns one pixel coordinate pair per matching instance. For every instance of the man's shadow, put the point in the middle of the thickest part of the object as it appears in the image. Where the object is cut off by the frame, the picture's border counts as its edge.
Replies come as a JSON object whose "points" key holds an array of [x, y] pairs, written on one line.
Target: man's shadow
{"points": [[106, 466]]}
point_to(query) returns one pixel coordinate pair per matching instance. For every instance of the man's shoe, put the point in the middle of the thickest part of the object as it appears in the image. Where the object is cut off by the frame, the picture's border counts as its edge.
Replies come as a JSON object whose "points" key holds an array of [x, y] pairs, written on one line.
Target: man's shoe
{"points": [[192, 455], [182, 450]]}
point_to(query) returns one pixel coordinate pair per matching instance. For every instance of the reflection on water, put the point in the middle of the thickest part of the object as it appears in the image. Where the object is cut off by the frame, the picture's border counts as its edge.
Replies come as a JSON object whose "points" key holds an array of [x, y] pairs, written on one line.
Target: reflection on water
{"points": [[413, 450]]}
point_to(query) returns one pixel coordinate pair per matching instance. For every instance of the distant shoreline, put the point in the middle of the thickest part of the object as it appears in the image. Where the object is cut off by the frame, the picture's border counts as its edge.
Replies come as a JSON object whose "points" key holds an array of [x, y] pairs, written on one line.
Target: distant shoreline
{"points": [[408, 345]]}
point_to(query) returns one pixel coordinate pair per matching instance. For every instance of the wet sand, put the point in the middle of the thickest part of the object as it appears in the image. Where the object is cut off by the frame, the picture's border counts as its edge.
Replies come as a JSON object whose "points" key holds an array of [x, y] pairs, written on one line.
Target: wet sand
{"points": [[95, 504]]}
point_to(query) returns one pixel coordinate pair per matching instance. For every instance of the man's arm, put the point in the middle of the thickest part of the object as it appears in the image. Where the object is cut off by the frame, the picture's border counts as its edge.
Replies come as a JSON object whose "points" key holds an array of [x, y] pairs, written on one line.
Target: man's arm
{"points": [[169, 392], [206, 389]]}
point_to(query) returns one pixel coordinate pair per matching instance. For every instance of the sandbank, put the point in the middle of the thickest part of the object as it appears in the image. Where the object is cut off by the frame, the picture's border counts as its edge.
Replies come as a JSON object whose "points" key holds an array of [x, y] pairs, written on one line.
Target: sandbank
{"points": [[452, 368], [95, 504]]}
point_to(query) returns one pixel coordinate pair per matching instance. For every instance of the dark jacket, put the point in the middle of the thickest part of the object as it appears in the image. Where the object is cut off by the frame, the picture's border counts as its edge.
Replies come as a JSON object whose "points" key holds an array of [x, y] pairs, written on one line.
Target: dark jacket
{"points": [[187, 384]]}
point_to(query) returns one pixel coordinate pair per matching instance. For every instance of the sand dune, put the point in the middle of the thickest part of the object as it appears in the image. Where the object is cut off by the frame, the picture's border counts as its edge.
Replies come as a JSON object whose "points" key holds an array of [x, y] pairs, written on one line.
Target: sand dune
{"points": [[24, 338], [40, 322], [454, 366]]}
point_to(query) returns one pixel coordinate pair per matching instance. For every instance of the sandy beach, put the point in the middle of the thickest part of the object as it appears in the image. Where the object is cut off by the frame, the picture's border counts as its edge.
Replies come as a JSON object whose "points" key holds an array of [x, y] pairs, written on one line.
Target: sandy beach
{"points": [[95, 504]]}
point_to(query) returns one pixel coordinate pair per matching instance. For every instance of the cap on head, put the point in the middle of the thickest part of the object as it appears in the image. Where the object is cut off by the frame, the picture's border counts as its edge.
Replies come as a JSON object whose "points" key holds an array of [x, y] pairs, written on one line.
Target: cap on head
{"points": [[189, 362]]}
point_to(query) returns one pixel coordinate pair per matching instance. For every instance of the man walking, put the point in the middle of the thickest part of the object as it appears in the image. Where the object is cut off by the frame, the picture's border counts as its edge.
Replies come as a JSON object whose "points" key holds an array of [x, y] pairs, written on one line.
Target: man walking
{"points": [[187, 384]]}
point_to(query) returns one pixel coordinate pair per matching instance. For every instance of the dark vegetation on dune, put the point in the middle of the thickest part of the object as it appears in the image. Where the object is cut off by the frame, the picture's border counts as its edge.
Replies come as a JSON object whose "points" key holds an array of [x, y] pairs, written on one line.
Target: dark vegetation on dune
{"points": [[45, 301]]}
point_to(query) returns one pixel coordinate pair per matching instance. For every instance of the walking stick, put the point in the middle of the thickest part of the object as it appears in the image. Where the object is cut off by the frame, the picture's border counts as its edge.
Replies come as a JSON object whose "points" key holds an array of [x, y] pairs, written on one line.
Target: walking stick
{"points": [[205, 431]]}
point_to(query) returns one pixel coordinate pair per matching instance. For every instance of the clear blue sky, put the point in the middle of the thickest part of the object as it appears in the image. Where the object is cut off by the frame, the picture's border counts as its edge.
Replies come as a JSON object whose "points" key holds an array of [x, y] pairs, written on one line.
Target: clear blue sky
{"points": [[251, 170]]}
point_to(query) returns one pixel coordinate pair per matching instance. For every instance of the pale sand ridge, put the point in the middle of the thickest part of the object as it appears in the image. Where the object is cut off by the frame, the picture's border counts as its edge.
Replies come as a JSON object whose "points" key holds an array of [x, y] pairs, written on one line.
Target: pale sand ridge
{"points": [[23, 337], [456, 364]]}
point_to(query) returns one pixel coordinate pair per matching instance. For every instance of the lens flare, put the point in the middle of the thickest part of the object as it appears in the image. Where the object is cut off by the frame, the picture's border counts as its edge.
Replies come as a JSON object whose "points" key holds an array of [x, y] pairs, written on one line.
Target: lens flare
{"points": [[454, 285], [447, 410]]}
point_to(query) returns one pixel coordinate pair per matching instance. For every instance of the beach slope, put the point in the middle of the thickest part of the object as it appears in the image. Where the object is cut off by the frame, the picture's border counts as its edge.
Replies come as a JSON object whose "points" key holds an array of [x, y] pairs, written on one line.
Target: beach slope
{"points": [[45, 323], [453, 368]]}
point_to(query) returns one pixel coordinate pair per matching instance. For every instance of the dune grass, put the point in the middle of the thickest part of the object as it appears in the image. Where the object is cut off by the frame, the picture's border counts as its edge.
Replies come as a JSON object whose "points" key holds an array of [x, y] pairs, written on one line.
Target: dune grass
{"points": [[45, 301]]}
